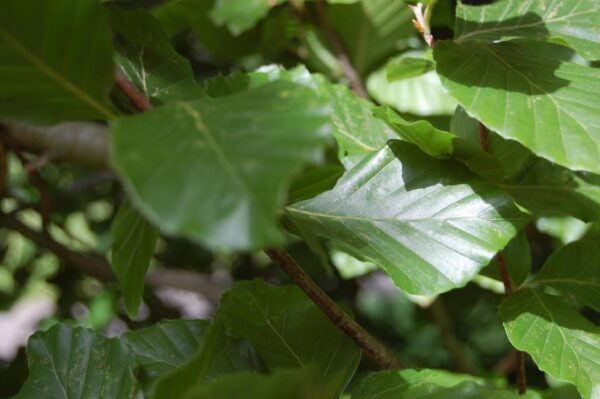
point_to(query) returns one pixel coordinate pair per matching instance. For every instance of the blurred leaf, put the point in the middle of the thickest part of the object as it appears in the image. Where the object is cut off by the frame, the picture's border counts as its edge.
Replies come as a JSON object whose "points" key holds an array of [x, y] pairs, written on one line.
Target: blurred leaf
{"points": [[55, 60], [288, 384], [288, 330], [177, 16], [356, 130], [224, 162], [133, 247], [348, 266], [426, 222], [570, 344], [74, 362], [426, 384], [148, 60], [371, 30], [573, 21], [564, 228], [408, 67], [575, 271], [241, 15], [420, 95]]}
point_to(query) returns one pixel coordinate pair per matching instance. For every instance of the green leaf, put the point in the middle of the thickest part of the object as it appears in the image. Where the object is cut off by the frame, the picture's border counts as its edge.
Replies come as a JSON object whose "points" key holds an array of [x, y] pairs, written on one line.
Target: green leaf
{"points": [[177, 16], [134, 239], [575, 270], [511, 157], [430, 224], [561, 342], [165, 346], [354, 127], [74, 362], [288, 384], [565, 229], [224, 162], [146, 57], [371, 30], [218, 355], [535, 183], [420, 95], [241, 15], [408, 67], [576, 22], [426, 384], [55, 60], [517, 256], [314, 181], [288, 330], [529, 92]]}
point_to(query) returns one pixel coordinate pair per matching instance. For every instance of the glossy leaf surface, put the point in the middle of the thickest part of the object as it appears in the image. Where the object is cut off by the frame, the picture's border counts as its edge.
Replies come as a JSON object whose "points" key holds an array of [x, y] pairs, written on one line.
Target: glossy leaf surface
{"points": [[430, 224]]}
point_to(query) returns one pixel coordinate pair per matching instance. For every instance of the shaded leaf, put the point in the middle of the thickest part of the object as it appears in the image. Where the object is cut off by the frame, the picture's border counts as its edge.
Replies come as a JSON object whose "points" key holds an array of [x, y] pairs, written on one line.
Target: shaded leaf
{"points": [[146, 57], [241, 15], [408, 67], [217, 355], [576, 22], [561, 342], [134, 239], [288, 384], [224, 162], [288, 330], [165, 346], [535, 183], [371, 30], [495, 83], [74, 362], [575, 270], [426, 384], [430, 224], [55, 60]]}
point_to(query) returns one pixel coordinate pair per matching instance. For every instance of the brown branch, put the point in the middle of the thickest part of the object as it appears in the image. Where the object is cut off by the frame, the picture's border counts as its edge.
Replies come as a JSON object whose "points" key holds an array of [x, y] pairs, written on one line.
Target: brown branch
{"points": [[519, 356], [354, 79], [372, 347], [82, 143], [483, 138], [95, 265], [138, 99], [92, 265]]}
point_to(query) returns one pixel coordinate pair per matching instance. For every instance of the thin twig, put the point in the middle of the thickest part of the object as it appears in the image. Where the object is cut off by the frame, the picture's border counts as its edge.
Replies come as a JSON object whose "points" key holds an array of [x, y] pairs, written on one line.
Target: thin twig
{"points": [[88, 264], [138, 99], [385, 358], [354, 79], [483, 138], [519, 356]]}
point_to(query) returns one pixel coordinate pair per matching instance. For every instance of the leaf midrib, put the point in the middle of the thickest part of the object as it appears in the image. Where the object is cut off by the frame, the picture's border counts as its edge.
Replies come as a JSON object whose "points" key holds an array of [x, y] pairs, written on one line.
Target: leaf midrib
{"points": [[476, 33], [388, 219], [51, 73]]}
